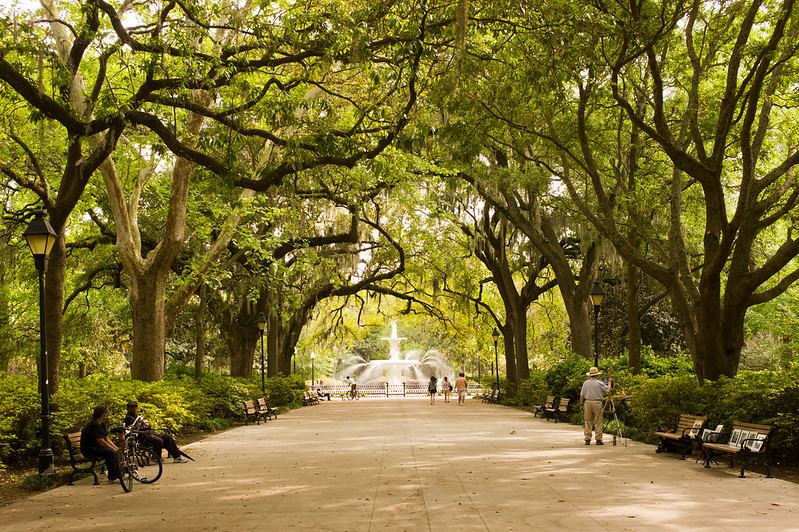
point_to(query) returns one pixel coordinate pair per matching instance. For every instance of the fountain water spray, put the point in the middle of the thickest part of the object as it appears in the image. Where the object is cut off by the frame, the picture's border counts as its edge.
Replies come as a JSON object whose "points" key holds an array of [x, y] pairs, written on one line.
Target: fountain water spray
{"points": [[416, 365]]}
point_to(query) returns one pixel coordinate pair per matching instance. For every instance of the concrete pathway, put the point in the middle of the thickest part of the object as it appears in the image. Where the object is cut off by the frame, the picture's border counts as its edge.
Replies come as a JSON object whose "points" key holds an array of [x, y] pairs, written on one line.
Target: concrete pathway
{"points": [[404, 465]]}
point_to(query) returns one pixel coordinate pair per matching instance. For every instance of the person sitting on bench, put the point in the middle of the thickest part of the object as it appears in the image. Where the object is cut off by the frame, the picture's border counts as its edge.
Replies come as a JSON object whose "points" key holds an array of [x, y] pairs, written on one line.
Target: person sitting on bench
{"points": [[94, 442], [321, 391], [155, 440]]}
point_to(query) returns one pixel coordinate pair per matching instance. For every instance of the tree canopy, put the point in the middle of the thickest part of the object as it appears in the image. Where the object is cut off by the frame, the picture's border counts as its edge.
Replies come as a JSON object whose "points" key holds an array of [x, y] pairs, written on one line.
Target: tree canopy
{"points": [[205, 163]]}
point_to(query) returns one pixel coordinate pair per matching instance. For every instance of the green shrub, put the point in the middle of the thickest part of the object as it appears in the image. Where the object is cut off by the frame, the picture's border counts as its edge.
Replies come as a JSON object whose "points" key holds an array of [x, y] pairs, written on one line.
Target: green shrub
{"points": [[533, 391], [173, 404], [38, 482], [565, 378], [19, 414], [659, 402], [214, 424], [282, 391], [785, 405]]}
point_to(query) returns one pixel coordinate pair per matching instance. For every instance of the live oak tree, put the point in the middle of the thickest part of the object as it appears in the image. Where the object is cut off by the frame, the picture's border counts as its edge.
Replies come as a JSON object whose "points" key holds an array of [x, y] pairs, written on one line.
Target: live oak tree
{"points": [[44, 70], [704, 93], [307, 89]]}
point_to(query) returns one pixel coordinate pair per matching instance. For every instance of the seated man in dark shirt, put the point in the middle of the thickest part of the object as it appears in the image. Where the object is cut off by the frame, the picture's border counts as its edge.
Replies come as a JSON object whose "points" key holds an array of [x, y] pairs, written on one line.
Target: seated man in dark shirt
{"points": [[94, 443], [155, 440], [322, 392]]}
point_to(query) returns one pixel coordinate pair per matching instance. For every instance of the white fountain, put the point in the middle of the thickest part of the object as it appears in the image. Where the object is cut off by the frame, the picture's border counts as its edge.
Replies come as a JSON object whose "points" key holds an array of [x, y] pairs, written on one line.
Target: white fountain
{"points": [[414, 366]]}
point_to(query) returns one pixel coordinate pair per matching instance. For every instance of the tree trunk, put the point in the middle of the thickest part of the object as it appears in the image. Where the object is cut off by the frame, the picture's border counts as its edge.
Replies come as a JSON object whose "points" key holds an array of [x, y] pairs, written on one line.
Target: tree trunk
{"points": [[199, 353], [510, 356], [520, 346], [53, 303], [273, 343], [243, 346], [580, 325], [146, 297], [633, 321]]}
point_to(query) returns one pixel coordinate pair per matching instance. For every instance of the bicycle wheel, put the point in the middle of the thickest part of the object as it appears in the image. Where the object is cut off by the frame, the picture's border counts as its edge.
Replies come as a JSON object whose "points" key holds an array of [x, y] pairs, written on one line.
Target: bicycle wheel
{"points": [[125, 477], [148, 466]]}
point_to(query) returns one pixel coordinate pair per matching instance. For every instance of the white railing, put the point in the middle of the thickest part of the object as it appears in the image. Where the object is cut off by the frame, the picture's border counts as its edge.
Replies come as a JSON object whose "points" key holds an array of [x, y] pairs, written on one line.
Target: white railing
{"points": [[393, 390]]}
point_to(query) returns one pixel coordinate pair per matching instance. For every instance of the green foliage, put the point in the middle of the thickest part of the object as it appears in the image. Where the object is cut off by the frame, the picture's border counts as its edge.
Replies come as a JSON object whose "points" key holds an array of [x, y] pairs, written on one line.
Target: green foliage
{"points": [[174, 404], [282, 390], [565, 378], [653, 365], [19, 412], [668, 390], [214, 424], [533, 391], [660, 401], [765, 397], [785, 404], [38, 482]]}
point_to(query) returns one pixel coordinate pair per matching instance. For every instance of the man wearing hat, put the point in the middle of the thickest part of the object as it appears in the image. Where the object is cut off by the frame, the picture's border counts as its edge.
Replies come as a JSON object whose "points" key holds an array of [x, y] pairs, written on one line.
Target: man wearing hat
{"points": [[157, 441], [591, 405]]}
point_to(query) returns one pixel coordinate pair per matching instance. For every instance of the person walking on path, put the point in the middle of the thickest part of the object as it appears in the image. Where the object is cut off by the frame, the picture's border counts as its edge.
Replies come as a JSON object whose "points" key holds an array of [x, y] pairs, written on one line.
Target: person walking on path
{"points": [[446, 387], [432, 388], [591, 405], [94, 442], [460, 387]]}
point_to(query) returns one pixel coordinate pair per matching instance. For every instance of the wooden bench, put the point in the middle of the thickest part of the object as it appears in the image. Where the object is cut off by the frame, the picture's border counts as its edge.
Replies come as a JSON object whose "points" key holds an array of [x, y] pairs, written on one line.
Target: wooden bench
{"points": [[685, 437], [549, 403], [309, 398], [491, 397], [79, 463], [747, 441], [251, 411], [265, 409], [488, 396], [557, 411]]}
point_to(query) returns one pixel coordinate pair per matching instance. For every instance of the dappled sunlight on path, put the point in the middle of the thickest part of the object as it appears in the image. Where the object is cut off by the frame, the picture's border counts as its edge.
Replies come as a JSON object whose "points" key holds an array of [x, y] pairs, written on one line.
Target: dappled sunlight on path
{"points": [[402, 464]]}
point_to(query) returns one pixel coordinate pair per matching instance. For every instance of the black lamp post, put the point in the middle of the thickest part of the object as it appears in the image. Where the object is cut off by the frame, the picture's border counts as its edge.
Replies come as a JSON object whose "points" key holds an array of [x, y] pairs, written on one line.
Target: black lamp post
{"points": [[596, 298], [313, 377], [261, 320], [41, 237], [495, 336]]}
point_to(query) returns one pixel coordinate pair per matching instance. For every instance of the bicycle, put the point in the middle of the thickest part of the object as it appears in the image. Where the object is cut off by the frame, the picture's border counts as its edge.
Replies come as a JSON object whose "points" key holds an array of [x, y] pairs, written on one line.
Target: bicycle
{"points": [[135, 462]]}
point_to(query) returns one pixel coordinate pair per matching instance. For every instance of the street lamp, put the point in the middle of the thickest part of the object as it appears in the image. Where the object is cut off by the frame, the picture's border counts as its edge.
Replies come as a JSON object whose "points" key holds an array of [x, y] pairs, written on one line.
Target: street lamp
{"points": [[41, 237], [313, 356], [261, 320], [596, 298], [495, 336]]}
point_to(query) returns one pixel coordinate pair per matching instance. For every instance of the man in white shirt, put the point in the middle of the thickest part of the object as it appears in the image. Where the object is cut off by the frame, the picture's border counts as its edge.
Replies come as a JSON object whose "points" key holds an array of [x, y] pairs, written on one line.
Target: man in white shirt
{"points": [[591, 405]]}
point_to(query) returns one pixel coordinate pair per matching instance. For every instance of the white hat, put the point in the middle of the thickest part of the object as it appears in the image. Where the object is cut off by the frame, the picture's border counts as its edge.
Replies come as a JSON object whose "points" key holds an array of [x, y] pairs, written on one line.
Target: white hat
{"points": [[593, 372]]}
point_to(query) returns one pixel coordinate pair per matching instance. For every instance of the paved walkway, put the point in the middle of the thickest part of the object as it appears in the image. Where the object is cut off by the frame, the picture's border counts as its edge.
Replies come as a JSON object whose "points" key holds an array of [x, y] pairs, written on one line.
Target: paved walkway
{"points": [[403, 465]]}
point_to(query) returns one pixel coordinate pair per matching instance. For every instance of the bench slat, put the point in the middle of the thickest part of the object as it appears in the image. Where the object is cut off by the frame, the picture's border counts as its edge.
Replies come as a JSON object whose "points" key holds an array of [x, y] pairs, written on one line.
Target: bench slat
{"points": [[77, 459]]}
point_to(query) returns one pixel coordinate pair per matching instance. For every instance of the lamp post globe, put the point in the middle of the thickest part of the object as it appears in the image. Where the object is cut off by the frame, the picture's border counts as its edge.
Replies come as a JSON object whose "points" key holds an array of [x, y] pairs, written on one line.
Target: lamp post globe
{"points": [[261, 321], [40, 238]]}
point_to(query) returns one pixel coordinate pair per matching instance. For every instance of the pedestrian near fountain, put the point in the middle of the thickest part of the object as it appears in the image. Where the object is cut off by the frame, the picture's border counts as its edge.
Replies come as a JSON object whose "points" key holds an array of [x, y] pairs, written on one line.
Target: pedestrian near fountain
{"points": [[432, 388], [591, 405], [446, 387], [460, 386]]}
